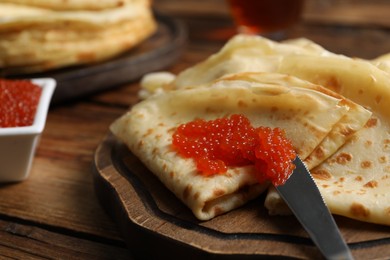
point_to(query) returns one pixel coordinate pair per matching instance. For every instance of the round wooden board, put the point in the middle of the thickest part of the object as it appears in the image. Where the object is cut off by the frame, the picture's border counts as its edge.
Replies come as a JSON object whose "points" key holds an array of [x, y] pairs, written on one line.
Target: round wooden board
{"points": [[157, 52], [155, 224]]}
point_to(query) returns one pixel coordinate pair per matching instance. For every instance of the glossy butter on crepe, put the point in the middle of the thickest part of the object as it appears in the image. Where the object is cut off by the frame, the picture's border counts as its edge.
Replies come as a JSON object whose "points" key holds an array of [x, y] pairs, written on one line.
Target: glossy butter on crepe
{"points": [[355, 180], [382, 62], [306, 115]]}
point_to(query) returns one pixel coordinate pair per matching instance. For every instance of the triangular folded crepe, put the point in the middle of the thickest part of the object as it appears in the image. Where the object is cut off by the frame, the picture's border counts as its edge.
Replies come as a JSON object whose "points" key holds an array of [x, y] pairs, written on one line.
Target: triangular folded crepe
{"points": [[355, 181], [355, 118], [306, 115]]}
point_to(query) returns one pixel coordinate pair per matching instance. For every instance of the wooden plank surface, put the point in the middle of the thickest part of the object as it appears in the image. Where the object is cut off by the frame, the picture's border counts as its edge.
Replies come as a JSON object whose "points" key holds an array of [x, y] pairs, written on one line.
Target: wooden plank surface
{"points": [[57, 206], [23, 241]]}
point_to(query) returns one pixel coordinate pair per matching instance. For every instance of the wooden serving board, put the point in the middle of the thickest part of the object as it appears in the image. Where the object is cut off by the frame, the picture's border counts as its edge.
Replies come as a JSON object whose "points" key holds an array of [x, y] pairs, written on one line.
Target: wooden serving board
{"points": [[155, 224]]}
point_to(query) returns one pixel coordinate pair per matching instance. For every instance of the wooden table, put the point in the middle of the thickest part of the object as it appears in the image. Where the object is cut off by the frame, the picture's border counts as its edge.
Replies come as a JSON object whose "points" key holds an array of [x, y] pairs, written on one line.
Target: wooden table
{"points": [[55, 214]]}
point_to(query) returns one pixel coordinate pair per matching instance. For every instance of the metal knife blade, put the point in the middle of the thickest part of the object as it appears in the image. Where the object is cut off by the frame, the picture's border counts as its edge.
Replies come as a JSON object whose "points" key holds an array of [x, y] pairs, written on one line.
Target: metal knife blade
{"points": [[301, 194]]}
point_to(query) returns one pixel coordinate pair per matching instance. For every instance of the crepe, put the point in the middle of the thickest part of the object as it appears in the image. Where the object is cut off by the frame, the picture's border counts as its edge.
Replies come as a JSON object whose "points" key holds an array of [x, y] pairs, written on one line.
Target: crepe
{"points": [[355, 180], [36, 39], [382, 62], [74, 4], [355, 118], [306, 115]]}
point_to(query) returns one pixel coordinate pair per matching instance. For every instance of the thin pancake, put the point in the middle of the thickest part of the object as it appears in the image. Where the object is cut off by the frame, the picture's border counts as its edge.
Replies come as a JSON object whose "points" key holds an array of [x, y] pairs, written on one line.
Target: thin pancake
{"points": [[383, 62], [75, 4], [15, 17], [37, 39], [355, 180], [306, 115], [343, 130]]}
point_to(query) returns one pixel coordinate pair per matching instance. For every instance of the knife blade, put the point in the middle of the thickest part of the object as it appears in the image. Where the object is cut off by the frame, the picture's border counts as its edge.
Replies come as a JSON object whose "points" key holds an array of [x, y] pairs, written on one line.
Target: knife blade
{"points": [[301, 194]]}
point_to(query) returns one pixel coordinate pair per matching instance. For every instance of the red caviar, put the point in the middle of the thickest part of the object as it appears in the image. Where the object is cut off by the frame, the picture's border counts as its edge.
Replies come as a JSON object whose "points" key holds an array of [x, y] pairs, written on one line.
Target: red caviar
{"points": [[18, 102], [217, 144]]}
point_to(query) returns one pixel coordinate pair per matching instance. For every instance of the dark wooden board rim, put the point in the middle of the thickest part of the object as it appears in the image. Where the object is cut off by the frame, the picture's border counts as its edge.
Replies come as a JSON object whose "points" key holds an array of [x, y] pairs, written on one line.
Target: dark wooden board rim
{"points": [[157, 52], [135, 209]]}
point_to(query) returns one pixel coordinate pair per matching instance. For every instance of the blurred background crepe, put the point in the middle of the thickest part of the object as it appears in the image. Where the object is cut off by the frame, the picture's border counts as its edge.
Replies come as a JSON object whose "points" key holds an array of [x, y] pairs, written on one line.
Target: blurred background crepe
{"points": [[85, 47], [76, 4], [36, 38]]}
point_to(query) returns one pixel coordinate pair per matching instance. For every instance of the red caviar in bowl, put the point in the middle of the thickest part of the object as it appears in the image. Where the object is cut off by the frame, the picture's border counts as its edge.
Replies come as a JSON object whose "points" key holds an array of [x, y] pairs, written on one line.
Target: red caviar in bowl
{"points": [[18, 102], [217, 144]]}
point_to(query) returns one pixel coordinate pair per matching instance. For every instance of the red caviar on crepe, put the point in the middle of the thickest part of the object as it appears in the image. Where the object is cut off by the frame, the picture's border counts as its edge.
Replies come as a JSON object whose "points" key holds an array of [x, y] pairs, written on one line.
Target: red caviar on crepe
{"points": [[220, 143], [351, 166], [303, 112]]}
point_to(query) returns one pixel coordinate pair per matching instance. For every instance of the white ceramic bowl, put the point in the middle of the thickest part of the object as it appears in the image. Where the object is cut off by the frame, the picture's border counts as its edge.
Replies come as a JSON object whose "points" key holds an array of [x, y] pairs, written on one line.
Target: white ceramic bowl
{"points": [[18, 144]]}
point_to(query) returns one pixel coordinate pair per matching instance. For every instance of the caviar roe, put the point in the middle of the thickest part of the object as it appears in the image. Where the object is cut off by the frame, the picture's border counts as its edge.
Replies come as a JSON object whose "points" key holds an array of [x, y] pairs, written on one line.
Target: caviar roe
{"points": [[217, 144], [18, 102]]}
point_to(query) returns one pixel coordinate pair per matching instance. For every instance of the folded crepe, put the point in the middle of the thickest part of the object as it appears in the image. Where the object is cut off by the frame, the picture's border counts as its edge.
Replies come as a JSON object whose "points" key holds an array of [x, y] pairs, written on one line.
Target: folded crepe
{"points": [[35, 39], [306, 114], [355, 118], [355, 180]]}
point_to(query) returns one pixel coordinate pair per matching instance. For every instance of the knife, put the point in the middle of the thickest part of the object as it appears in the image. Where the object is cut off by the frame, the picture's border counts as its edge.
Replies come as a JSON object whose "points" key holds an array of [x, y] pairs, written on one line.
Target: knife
{"points": [[301, 194]]}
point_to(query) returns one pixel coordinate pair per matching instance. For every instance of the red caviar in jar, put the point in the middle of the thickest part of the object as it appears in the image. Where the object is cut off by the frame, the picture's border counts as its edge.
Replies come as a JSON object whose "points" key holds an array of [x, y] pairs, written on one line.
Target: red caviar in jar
{"points": [[18, 102], [217, 144]]}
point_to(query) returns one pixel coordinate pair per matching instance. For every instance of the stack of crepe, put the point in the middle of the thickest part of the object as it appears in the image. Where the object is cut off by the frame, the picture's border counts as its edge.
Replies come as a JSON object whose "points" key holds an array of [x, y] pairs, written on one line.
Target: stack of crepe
{"points": [[39, 35], [332, 107]]}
